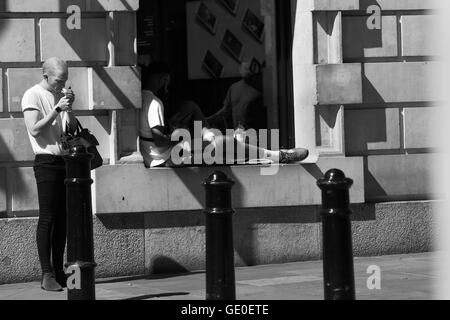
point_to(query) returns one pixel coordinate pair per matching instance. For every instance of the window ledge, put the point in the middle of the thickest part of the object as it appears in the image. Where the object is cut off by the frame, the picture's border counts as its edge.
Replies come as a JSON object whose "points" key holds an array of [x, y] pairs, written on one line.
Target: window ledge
{"points": [[128, 188]]}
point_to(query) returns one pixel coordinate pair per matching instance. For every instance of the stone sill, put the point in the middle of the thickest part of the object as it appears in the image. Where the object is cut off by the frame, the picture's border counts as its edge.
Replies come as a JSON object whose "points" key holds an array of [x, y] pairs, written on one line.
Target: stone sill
{"points": [[354, 5], [131, 188], [50, 6]]}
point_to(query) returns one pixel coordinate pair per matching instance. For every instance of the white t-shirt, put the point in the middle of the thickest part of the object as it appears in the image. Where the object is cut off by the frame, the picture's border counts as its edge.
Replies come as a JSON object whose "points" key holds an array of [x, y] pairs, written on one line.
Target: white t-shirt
{"points": [[49, 140], [152, 115]]}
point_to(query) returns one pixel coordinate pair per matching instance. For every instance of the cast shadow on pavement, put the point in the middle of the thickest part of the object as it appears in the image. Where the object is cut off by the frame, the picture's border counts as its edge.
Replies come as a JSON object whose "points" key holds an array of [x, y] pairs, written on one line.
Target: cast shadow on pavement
{"points": [[145, 277], [161, 295]]}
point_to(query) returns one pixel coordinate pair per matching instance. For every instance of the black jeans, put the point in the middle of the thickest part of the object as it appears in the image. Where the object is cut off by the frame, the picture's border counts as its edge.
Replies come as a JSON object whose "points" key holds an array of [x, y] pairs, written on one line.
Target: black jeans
{"points": [[51, 230]]}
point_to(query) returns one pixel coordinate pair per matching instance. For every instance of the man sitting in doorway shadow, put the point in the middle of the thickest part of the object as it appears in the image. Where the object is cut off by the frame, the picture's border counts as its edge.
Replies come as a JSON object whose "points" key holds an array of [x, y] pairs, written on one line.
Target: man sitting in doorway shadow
{"points": [[157, 133], [243, 104]]}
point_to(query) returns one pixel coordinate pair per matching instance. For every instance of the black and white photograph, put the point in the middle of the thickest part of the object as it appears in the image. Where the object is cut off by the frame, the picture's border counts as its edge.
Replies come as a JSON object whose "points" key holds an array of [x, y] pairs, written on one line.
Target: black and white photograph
{"points": [[207, 18], [212, 66], [231, 6], [224, 158], [232, 45], [253, 25]]}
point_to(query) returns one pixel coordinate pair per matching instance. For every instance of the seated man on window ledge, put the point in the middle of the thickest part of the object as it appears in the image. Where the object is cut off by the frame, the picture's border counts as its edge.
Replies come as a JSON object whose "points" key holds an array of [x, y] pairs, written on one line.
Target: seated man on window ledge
{"points": [[159, 139]]}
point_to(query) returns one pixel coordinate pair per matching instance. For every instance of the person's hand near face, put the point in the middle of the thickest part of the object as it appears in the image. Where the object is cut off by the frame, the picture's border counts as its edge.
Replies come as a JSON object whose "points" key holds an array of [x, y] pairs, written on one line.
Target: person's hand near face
{"points": [[70, 95]]}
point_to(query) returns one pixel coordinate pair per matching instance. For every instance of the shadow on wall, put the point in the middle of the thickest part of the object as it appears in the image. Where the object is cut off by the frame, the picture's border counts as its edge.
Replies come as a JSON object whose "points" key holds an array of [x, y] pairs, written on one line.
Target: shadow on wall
{"points": [[372, 38], [17, 180], [364, 4], [82, 50], [377, 132], [329, 115], [4, 150], [366, 126], [250, 226], [114, 87], [3, 213], [3, 22], [367, 38], [126, 5]]}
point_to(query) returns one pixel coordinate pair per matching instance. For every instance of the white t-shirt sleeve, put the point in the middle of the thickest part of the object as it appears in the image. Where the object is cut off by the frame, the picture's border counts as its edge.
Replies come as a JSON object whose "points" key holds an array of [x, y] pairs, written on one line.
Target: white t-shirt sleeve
{"points": [[30, 101], [156, 114]]}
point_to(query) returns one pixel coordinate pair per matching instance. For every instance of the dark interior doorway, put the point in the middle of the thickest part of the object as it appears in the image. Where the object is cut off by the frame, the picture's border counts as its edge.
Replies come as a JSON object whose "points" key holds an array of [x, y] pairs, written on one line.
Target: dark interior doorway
{"points": [[162, 26], [165, 33]]}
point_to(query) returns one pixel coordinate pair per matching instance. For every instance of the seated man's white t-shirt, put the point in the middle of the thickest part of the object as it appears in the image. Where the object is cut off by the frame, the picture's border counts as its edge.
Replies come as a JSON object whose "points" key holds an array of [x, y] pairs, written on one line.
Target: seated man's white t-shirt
{"points": [[49, 140], [152, 115]]}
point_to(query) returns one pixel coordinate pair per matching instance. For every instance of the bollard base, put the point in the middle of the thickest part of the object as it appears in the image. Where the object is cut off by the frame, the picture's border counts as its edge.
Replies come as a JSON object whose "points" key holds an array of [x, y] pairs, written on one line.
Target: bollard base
{"points": [[82, 288]]}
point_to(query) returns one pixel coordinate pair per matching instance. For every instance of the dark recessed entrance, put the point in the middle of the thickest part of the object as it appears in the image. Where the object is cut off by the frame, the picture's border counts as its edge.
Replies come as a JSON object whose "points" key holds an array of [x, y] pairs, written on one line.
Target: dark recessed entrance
{"points": [[206, 43]]}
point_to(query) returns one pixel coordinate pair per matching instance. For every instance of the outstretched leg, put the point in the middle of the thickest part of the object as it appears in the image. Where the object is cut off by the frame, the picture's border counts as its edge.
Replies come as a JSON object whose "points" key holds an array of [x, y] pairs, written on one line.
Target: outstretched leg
{"points": [[247, 150]]}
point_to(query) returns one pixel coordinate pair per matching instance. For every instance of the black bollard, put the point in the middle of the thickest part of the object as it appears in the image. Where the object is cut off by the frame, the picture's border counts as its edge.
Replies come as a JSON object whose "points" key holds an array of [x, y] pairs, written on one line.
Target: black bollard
{"points": [[220, 278], [339, 278], [80, 239]]}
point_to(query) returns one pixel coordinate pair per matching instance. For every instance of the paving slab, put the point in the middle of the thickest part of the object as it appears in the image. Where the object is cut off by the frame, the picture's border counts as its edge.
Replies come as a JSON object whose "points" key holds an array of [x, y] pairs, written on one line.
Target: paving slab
{"points": [[403, 277]]}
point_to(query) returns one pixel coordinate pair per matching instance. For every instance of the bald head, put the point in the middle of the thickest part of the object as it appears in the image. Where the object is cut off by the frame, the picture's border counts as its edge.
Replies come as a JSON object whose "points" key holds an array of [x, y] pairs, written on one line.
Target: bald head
{"points": [[55, 72], [54, 65]]}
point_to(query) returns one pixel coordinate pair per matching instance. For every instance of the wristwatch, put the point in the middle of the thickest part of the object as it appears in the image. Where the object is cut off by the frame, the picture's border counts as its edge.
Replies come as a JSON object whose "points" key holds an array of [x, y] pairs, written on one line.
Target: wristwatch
{"points": [[58, 109]]}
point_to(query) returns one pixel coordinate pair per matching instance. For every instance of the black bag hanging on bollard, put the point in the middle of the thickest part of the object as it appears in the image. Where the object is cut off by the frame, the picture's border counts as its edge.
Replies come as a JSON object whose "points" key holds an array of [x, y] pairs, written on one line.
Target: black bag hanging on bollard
{"points": [[84, 138]]}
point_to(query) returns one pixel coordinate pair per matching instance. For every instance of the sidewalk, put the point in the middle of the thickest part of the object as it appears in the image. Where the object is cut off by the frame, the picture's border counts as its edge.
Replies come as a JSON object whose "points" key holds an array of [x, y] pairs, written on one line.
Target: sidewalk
{"points": [[403, 277]]}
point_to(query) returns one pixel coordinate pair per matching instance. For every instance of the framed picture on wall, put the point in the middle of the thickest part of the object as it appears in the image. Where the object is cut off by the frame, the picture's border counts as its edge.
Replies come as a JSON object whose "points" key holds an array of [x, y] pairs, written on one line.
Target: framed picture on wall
{"points": [[253, 25], [212, 65], [230, 5], [255, 66], [232, 45], [206, 18]]}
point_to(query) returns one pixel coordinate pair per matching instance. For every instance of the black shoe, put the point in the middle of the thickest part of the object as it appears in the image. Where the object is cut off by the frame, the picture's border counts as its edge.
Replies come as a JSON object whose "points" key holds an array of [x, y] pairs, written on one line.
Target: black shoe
{"points": [[49, 283], [293, 155]]}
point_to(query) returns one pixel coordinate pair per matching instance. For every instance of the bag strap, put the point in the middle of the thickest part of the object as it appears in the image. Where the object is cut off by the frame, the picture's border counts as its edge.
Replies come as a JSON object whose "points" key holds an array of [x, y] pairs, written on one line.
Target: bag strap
{"points": [[79, 128], [66, 130]]}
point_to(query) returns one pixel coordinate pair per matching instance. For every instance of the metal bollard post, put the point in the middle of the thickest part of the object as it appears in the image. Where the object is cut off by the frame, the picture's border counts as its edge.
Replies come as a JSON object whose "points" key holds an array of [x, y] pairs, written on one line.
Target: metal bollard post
{"points": [[220, 276], [80, 239], [339, 278]]}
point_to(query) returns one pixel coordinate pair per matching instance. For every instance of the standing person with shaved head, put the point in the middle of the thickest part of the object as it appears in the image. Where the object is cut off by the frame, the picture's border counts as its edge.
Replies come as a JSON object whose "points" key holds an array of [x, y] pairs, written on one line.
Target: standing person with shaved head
{"points": [[46, 111]]}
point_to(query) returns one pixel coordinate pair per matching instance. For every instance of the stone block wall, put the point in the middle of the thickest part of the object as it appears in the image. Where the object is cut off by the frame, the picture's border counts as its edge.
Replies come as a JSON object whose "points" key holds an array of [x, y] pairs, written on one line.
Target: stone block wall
{"points": [[374, 95], [362, 95], [392, 127], [171, 242], [102, 58]]}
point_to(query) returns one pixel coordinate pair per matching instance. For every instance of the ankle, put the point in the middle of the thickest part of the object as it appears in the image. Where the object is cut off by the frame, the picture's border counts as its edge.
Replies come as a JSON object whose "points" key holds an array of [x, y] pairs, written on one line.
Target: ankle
{"points": [[49, 282]]}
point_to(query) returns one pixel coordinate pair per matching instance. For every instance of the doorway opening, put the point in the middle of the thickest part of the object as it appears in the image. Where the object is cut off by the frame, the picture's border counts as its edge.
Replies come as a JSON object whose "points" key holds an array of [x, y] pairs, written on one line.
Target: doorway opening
{"points": [[210, 45]]}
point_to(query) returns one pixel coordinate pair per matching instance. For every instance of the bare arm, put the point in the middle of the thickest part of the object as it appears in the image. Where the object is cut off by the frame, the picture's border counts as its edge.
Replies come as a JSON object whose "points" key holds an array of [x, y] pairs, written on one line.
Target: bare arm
{"points": [[34, 125]]}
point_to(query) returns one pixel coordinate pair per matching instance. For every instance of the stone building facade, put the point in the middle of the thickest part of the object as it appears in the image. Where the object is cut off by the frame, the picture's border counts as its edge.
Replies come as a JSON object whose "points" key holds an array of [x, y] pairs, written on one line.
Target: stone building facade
{"points": [[362, 102]]}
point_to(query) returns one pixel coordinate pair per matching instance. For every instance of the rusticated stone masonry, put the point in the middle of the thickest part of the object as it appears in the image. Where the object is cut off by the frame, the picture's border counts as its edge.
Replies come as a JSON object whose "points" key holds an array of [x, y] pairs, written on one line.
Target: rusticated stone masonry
{"points": [[97, 38]]}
